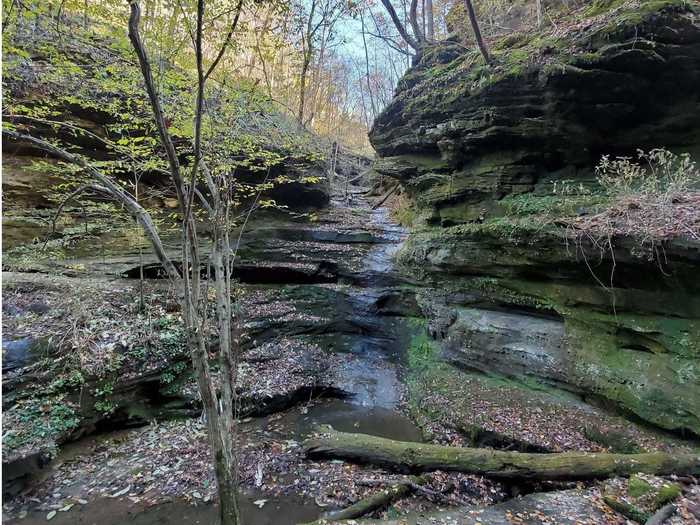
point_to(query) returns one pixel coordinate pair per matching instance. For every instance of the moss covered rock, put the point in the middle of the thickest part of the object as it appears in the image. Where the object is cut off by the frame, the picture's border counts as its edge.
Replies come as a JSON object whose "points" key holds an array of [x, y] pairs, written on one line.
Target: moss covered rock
{"points": [[461, 134]]}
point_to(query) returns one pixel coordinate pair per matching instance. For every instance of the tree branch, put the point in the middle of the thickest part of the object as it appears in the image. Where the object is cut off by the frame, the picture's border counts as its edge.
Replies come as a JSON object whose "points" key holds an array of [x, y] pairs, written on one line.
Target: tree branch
{"points": [[399, 26], [413, 19], [477, 33], [73, 195], [145, 66], [227, 40], [78, 129], [113, 189]]}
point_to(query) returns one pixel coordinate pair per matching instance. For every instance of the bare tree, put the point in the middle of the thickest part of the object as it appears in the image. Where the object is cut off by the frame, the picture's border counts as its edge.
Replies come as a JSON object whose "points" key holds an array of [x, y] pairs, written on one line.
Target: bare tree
{"points": [[218, 406], [477, 33], [415, 40], [317, 31], [367, 76], [430, 20], [218, 396], [418, 39]]}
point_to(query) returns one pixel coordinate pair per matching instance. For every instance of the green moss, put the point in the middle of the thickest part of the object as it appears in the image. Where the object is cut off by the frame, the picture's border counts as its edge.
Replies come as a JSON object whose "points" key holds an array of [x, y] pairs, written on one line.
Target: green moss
{"points": [[550, 206], [627, 510], [638, 487], [667, 494], [598, 7], [39, 422], [636, 15], [422, 351]]}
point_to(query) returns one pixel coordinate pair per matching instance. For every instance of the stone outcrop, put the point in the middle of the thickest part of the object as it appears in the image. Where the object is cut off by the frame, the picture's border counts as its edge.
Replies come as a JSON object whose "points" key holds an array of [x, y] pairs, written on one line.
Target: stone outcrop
{"points": [[461, 135], [529, 300], [73, 92]]}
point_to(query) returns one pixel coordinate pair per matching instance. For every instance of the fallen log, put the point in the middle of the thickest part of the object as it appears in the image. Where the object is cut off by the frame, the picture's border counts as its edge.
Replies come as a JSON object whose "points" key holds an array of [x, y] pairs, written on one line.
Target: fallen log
{"points": [[661, 515], [628, 511], [384, 199], [421, 457], [373, 502]]}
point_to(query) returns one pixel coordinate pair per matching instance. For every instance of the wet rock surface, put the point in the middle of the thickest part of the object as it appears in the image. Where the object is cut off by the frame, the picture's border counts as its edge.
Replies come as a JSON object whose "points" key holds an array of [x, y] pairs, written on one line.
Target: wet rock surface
{"points": [[487, 335], [481, 153], [341, 353], [303, 342], [527, 310]]}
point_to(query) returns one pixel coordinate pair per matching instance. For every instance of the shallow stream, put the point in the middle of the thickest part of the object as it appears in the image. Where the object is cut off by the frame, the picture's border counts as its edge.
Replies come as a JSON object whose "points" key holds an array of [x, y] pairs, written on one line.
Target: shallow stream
{"points": [[373, 377]]}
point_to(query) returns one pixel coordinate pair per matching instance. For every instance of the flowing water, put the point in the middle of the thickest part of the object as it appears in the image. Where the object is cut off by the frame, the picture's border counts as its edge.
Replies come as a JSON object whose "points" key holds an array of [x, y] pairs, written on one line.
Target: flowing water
{"points": [[373, 376]]}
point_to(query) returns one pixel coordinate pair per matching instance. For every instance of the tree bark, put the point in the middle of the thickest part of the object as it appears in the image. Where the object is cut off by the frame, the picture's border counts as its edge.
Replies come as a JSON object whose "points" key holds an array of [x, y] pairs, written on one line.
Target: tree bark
{"points": [[376, 501], [661, 515], [219, 409], [416, 457], [399, 26], [308, 51], [430, 20], [369, 85], [477, 33], [415, 26]]}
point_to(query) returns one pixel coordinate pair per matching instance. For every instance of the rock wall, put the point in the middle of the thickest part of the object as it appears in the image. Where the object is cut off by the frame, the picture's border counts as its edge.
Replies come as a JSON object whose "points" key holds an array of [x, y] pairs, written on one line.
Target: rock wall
{"points": [[531, 301], [461, 135], [87, 94]]}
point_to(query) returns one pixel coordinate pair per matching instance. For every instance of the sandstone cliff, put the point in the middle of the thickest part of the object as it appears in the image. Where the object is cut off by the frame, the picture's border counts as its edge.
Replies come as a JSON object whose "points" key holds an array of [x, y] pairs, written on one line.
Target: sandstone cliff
{"points": [[480, 151]]}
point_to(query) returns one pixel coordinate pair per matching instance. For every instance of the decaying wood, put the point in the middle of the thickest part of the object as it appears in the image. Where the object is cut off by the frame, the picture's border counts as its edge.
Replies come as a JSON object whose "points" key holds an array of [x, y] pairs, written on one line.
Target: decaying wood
{"points": [[662, 515], [374, 502], [384, 199], [628, 511], [432, 494], [417, 457]]}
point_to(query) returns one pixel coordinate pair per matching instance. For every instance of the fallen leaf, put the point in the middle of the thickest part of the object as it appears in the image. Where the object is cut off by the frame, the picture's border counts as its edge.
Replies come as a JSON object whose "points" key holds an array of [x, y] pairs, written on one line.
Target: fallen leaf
{"points": [[121, 492]]}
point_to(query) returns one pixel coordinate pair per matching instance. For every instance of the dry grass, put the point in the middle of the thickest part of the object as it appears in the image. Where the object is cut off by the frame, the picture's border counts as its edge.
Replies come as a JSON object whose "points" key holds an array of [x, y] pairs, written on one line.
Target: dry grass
{"points": [[649, 219], [652, 199]]}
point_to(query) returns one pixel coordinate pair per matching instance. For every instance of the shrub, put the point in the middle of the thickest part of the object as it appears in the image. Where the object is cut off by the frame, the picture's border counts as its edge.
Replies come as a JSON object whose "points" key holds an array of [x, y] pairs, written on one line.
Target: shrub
{"points": [[652, 198], [658, 174]]}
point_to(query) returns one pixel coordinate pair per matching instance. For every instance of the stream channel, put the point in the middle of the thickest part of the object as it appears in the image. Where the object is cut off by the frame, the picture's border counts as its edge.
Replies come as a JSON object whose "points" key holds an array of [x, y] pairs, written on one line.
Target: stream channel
{"points": [[355, 245]]}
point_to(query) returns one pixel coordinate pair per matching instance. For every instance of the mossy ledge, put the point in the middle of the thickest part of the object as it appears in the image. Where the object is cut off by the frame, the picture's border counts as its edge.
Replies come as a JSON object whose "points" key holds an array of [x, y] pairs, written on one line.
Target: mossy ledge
{"points": [[483, 154]]}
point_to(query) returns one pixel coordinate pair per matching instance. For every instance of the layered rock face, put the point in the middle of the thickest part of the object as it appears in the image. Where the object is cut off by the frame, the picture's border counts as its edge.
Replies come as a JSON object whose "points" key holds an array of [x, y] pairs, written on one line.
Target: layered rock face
{"points": [[532, 301], [87, 95], [462, 135]]}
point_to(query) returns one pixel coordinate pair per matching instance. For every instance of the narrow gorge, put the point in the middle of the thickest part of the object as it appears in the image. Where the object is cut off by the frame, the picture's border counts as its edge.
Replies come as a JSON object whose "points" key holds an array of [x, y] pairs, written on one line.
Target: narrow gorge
{"points": [[473, 325]]}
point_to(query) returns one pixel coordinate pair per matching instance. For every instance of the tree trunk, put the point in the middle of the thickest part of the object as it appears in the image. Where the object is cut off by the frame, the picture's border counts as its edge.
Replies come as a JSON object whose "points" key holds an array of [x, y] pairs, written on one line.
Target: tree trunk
{"points": [[302, 90], [477, 33], [413, 42], [430, 20], [415, 26], [369, 85], [227, 485], [412, 457]]}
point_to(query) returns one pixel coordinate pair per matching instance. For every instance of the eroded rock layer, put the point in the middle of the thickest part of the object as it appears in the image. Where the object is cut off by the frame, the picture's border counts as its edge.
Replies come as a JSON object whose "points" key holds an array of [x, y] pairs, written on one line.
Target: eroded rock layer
{"points": [[533, 299]]}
